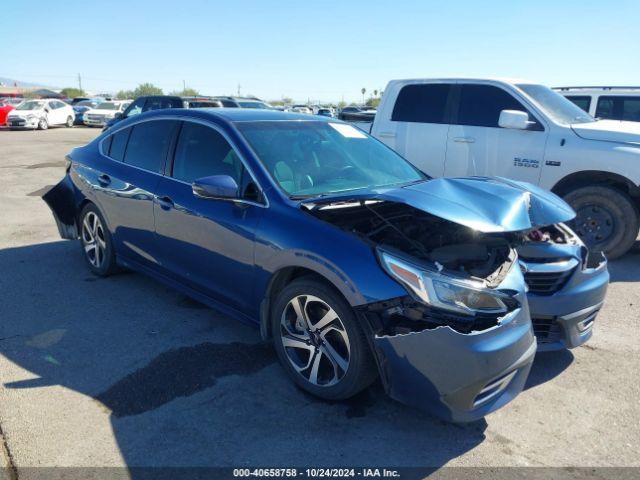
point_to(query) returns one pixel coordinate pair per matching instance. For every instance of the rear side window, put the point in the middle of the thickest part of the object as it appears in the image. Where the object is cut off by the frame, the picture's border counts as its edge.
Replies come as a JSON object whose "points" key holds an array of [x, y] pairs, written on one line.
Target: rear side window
{"points": [[619, 108], [148, 144], [201, 151], [582, 101], [480, 105], [424, 103], [118, 144]]}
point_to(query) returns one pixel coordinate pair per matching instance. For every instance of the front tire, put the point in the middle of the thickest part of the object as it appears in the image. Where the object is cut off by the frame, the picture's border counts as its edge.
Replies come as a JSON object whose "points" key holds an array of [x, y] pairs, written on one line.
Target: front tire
{"points": [[43, 124], [607, 219], [97, 245], [69, 122], [319, 341]]}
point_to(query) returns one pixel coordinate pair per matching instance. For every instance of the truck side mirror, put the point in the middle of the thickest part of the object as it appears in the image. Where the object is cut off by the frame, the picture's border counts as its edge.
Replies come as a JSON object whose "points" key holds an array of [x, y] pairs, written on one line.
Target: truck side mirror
{"points": [[514, 119]]}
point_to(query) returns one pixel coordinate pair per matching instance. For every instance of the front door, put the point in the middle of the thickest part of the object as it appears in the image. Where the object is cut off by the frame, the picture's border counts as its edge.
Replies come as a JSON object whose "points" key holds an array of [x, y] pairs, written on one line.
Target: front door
{"points": [[207, 244], [476, 144]]}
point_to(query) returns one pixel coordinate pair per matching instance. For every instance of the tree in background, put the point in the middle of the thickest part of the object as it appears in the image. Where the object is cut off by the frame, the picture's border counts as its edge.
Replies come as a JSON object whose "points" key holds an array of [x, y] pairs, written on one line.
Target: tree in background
{"points": [[186, 92], [363, 91], [71, 92], [141, 90], [373, 102]]}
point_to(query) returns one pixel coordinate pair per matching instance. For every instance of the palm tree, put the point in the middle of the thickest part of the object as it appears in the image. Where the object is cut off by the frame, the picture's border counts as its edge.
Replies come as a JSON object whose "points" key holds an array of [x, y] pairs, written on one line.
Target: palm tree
{"points": [[363, 91], [375, 93]]}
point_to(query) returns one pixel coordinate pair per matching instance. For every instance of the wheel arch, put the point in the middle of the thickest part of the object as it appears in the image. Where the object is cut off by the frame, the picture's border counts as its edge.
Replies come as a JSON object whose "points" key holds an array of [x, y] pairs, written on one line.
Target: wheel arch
{"points": [[278, 281], [588, 178]]}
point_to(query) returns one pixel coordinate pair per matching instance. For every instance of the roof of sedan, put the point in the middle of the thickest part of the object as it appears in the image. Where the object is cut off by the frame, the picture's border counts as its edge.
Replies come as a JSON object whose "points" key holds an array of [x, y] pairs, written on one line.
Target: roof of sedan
{"points": [[255, 114]]}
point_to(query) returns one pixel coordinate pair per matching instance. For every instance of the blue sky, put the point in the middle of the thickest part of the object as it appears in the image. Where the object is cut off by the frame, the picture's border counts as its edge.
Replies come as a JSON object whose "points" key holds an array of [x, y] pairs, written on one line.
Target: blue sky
{"points": [[321, 50]]}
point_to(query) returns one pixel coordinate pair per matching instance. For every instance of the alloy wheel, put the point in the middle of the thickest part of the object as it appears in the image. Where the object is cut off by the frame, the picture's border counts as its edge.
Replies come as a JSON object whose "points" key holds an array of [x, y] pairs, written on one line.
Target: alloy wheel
{"points": [[93, 239], [315, 340]]}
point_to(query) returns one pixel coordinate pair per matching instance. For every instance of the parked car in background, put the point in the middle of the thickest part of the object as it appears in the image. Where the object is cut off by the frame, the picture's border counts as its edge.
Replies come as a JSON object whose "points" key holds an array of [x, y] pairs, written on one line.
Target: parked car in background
{"points": [[41, 114], [5, 108], [300, 109], [158, 102], [76, 100], [15, 101], [80, 108], [354, 113], [524, 131], [325, 112], [406, 278], [104, 112], [243, 102], [613, 103]]}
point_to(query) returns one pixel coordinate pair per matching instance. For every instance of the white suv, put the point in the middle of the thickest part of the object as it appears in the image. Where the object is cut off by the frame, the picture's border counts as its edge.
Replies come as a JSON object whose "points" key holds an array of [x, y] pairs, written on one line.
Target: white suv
{"points": [[524, 131], [41, 114], [613, 103]]}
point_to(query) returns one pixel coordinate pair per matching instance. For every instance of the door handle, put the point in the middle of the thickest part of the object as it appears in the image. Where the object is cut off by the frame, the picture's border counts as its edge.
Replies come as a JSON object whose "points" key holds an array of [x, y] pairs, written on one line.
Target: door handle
{"points": [[387, 134], [104, 180], [165, 203], [464, 139]]}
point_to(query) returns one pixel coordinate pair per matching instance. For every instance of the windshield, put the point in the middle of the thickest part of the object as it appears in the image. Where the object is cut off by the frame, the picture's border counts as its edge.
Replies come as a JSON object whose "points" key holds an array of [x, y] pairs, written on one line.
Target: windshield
{"points": [[318, 158], [108, 106], [32, 105], [86, 103], [555, 105], [253, 105]]}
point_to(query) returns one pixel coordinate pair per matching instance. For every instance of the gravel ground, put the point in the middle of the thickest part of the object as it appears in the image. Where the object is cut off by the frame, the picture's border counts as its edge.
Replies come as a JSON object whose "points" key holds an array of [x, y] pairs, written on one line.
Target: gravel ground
{"points": [[126, 372]]}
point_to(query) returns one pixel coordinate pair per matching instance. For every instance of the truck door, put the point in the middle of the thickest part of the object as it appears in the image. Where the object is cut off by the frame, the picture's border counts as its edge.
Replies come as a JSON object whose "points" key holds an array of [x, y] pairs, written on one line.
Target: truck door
{"points": [[416, 125], [476, 145]]}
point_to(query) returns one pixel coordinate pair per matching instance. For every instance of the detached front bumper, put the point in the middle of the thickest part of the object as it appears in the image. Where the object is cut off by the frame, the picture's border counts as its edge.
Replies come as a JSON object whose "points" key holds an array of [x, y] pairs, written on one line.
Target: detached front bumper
{"points": [[459, 377], [564, 316]]}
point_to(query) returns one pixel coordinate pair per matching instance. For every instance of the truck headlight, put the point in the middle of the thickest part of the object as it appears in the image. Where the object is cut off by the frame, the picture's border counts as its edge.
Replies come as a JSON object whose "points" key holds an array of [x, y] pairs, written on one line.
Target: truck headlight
{"points": [[438, 290]]}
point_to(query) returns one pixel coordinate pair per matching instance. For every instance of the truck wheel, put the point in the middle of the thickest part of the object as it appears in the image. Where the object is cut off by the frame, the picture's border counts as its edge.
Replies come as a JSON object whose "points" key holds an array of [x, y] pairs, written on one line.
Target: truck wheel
{"points": [[606, 219], [319, 341]]}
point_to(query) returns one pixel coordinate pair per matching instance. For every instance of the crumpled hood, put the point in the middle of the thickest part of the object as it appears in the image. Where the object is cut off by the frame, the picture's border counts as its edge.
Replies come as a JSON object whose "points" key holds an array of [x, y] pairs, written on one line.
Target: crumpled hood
{"points": [[609, 131], [485, 204]]}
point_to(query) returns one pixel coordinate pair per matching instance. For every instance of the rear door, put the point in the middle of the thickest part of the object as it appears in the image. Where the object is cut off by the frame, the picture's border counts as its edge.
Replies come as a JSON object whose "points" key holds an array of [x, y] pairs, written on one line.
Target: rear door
{"points": [[208, 244], [126, 185], [476, 144], [418, 125]]}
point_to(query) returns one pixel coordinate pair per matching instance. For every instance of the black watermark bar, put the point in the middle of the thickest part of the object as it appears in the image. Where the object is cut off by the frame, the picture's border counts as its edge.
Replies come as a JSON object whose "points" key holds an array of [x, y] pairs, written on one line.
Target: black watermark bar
{"points": [[398, 473]]}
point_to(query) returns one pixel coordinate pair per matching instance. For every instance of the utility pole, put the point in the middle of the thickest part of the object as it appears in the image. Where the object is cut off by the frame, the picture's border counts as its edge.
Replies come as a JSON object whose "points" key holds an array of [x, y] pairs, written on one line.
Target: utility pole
{"points": [[239, 89], [184, 86], [79, 82]]}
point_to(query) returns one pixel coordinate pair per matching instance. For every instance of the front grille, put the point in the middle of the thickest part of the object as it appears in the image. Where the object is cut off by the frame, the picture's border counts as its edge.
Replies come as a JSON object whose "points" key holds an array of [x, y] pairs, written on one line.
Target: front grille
{"points": [[95, 118], [16, 121], [546, 329], [546, 278]]}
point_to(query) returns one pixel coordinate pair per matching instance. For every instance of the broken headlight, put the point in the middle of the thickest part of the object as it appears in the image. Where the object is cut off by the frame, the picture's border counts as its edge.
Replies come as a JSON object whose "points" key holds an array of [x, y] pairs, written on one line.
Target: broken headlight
{"points": [[441, 291]]}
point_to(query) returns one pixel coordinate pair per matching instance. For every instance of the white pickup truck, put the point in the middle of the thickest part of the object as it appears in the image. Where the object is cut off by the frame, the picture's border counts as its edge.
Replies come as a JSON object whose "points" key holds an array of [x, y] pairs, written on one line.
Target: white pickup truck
{"points": [[523, 131]]}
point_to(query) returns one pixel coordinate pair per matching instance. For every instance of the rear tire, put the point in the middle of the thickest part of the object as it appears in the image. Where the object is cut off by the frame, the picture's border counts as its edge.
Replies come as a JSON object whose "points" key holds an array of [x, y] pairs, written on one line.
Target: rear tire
{"points": [[96, 242], [329, 348], [607, 219]]}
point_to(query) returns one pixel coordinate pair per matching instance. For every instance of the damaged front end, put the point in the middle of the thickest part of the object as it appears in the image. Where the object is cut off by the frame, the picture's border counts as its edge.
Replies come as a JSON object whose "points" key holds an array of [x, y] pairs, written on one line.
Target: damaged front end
{"points": [[460, 343], [566, 286]]}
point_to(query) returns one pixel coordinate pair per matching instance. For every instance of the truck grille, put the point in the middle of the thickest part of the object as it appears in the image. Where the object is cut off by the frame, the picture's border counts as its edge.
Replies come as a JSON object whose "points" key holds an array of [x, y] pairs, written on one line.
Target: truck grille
{"points": [[547, 278]]}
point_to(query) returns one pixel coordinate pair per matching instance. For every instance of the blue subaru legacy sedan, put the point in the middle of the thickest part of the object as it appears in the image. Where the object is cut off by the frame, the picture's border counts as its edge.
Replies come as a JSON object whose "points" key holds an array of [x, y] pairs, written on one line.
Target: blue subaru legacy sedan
{"points": [[354, 263]]}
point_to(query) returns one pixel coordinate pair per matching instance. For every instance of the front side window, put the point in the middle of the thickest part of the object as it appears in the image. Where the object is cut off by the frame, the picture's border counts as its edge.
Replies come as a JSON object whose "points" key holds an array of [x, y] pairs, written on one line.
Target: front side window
{"points": [[480, 105], [422, 103], [581, 101], [148, 144], [309, 158], [631, 109], [135, 108], [159, 103], [606, 108], [202, 151]]}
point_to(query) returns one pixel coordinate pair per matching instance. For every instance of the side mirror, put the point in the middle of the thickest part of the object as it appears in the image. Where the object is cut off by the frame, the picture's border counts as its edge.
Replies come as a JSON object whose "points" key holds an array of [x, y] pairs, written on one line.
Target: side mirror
{"points": [[216, 186], [514, 119]]}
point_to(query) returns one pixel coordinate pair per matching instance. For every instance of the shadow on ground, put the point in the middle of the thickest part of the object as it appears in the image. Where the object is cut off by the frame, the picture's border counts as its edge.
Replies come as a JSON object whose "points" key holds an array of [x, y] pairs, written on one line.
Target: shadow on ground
{"points": [[627, 268], [186, 386]]}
